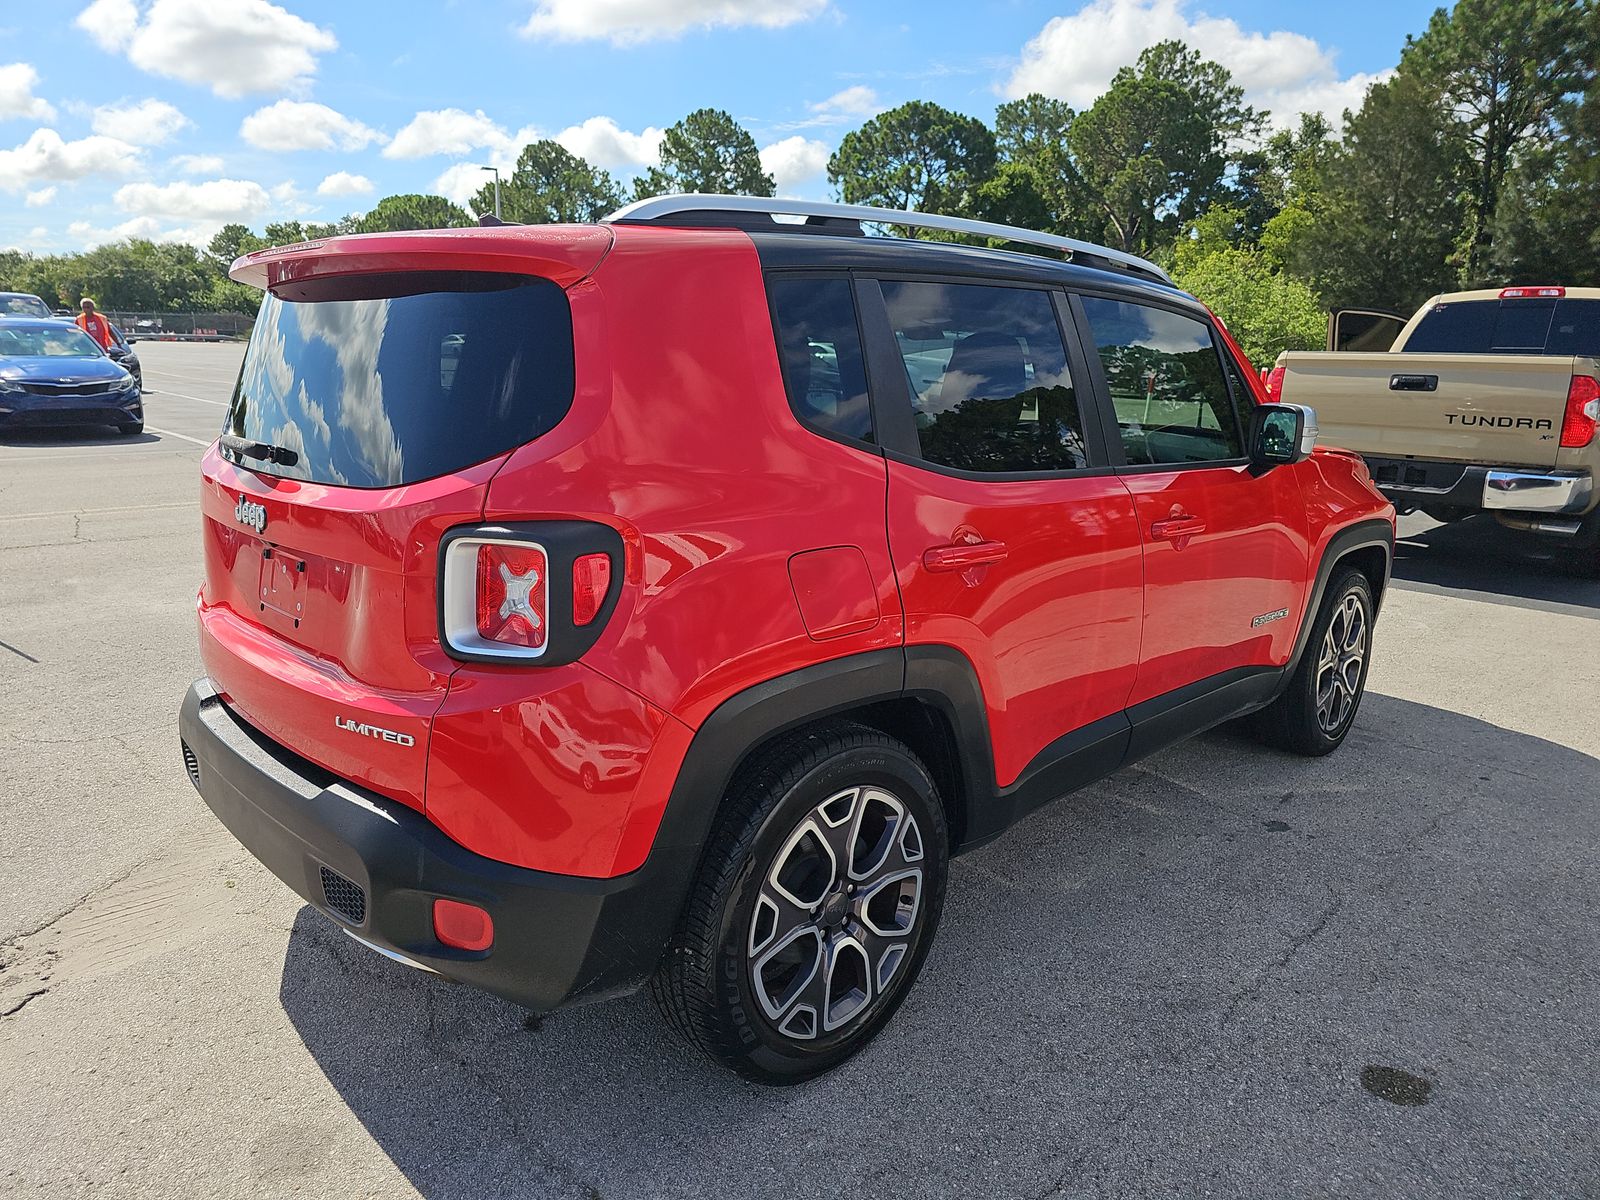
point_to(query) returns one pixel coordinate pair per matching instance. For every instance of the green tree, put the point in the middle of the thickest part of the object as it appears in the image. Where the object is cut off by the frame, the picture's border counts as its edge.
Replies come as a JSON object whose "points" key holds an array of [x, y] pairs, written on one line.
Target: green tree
{"points": [[1281, 172], [1154, 149], [1037, 184], [707, 151], [229, 242], [549, 186], [1267, 310], [1547, 222], [1504, 68], [918, 156], [1388, 214], [393, 214]]}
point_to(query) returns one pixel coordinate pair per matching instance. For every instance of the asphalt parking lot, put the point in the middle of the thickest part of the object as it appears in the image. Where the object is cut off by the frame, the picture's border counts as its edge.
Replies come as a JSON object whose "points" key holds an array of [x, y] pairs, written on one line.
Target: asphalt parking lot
{"points": [[1225, 972]]}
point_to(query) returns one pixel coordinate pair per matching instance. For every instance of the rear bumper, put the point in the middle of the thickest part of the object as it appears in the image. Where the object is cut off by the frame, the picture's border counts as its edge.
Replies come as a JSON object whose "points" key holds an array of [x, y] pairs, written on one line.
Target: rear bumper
{"points": [[1413, 483], [374, 867]]}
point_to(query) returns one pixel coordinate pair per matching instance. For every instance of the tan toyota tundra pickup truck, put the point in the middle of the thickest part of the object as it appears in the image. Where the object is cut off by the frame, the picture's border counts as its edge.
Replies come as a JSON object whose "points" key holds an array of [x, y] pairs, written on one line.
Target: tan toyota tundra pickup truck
{"points": [[1484, 401]]}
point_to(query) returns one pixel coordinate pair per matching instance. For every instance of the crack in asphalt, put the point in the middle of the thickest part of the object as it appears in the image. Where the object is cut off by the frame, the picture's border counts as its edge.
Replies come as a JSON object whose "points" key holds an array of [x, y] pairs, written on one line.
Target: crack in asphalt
{"points": [[1297, 943], [24, 1002]]}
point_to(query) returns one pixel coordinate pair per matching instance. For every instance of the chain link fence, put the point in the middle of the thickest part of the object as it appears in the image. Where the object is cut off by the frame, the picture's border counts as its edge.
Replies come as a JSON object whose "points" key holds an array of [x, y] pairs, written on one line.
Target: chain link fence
{"points": [[183, 327]]}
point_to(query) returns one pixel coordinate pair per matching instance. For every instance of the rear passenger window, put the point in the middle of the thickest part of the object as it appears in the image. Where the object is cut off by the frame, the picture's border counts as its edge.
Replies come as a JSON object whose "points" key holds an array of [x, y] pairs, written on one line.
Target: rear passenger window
{"points": [[988, 377], [1166, 383], [815, 320]]}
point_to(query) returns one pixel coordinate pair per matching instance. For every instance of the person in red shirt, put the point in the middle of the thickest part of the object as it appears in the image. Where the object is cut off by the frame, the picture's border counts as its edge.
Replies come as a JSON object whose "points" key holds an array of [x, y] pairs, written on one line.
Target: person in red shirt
{"points": [[94, 324]]}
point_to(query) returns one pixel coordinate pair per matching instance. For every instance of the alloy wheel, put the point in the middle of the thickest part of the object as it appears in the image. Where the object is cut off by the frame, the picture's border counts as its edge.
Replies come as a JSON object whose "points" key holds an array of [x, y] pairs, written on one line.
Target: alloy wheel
{"points": [[836, 913], [1340, 664]]}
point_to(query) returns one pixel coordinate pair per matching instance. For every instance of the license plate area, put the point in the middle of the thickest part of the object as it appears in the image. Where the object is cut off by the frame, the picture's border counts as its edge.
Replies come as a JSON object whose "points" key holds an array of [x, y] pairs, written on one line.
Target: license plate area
{"points": [[283, 584]]}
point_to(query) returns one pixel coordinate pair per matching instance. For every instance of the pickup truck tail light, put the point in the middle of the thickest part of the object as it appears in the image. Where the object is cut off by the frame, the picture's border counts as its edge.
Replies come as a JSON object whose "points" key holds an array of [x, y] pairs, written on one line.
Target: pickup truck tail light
{"points": [[1583, 412], [538, 594], [1532, 293], [1275, 384]]}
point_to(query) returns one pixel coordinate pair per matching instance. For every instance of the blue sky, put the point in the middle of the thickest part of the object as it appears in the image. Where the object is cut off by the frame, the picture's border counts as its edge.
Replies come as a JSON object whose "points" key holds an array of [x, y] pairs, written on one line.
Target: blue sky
{"points": [[168, 118]]}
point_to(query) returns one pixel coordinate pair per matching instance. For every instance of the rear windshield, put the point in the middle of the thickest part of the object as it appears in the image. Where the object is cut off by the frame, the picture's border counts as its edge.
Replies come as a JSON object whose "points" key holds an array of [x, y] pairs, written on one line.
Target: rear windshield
{"points": [[393, 379], [1562, 328]]}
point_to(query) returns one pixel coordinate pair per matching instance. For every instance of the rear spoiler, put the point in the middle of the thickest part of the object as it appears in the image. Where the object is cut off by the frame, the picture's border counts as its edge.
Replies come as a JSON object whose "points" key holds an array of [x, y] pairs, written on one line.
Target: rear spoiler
{"points": [[561, 253]]}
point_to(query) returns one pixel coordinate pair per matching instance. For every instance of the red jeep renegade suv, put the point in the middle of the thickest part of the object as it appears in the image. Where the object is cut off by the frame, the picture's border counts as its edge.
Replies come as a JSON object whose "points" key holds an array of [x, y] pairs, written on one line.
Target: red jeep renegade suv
{"points": [[666, 600]]}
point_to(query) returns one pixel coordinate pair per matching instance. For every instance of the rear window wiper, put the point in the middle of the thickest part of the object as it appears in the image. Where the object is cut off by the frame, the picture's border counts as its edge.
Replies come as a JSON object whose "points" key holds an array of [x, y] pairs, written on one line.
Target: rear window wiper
{"points": [[245, 448]]}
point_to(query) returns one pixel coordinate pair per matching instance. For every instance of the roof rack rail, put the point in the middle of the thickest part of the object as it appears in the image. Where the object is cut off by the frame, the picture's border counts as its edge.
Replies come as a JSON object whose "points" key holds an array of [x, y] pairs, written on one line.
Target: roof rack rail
{"points": [[822, 216]]}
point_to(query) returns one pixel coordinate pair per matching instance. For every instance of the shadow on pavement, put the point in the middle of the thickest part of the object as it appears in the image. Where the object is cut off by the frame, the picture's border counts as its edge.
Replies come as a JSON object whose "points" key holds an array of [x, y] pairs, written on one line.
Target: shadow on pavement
{"points": [[73, 435], [1174, 982], [1480, 556]]}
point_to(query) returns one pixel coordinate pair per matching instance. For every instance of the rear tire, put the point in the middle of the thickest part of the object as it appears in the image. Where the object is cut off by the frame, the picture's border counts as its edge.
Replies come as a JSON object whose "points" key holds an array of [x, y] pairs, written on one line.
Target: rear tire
{"points": [[815, 905], [1316, 710]]}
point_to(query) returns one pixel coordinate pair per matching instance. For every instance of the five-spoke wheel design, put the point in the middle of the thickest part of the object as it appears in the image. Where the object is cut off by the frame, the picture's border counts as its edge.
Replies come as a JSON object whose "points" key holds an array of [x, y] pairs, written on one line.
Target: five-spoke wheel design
{"points": [[1340, 664], [835, 914]]}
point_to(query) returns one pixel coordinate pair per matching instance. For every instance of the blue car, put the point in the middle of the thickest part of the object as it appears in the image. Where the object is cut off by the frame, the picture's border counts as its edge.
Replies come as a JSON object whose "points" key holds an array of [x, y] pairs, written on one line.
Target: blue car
{"points": [[52, 373]]}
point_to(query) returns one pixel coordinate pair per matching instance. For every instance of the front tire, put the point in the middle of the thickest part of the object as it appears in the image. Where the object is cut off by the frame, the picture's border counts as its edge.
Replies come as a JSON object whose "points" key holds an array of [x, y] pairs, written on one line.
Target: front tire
{"points": [[131, 428], [815, 905], [1315, 712]]}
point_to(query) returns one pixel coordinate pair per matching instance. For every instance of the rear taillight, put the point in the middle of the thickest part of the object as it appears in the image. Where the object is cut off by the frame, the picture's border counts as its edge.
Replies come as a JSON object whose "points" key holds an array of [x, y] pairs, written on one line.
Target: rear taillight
{"points": [[537, 593], [1583, 412], [591, 580], [513, 595], [1275, 384]]}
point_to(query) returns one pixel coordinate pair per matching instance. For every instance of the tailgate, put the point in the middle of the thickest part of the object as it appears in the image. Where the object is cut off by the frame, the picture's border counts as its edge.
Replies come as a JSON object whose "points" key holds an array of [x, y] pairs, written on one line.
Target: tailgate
{"points": [[1495, 409], [318, 620]]}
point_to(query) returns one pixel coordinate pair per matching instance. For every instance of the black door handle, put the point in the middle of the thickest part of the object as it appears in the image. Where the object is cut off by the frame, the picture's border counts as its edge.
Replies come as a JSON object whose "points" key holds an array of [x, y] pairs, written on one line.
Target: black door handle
{"points": [[1413, 383]]}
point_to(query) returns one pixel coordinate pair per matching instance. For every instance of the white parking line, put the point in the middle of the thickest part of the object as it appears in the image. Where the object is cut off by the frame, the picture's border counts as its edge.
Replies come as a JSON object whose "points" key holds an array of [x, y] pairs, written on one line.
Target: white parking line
{"points": [[183, 436], [182, 396]]}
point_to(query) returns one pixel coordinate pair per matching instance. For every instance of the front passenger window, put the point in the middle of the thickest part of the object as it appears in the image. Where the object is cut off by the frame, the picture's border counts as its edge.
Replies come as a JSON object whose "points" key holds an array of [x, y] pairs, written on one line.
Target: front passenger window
{"points": [[1166, 383]]}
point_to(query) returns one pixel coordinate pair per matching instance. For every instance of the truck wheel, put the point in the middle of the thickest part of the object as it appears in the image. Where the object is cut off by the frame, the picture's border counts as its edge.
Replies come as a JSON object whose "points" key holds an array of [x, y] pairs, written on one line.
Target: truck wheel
{"points": [[1315, 712], [815, 905]]}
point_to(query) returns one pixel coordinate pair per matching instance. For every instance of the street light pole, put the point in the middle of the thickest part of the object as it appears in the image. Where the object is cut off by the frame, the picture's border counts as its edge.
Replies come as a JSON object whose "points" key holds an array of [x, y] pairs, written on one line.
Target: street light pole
{"points": [[496, 171]]}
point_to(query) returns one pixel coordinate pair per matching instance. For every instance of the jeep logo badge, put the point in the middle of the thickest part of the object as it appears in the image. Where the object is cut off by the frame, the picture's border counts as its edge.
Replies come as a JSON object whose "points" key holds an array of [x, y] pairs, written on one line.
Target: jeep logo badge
{"points": [[250, 514]]}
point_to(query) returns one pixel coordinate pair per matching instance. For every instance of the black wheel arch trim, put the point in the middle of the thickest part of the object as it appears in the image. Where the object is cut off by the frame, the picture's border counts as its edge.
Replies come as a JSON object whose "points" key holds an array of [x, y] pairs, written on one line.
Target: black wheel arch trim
{"points": [[1374, 533]]}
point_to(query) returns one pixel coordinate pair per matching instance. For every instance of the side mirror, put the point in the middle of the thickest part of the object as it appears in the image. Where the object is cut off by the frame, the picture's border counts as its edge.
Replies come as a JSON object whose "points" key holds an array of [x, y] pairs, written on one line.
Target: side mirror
{"points": [[1281, 434]]}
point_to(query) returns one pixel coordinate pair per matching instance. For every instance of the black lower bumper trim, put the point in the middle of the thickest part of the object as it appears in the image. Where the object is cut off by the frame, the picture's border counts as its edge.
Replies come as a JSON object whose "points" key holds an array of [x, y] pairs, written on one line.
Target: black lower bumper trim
{"points": [[557, 938]]}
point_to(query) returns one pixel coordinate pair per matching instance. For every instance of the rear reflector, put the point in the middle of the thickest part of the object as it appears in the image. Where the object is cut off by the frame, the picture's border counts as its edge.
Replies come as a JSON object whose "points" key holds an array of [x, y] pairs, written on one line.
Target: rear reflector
{"points": [[1275, 383], [1532, 293], [464, 926], [513, 594], [1583, 412], [591, 580]]}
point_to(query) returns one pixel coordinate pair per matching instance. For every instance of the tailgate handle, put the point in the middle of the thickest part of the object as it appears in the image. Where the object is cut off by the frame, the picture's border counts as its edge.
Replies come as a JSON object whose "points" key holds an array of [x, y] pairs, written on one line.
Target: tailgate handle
{"points": [[1413, 383]]}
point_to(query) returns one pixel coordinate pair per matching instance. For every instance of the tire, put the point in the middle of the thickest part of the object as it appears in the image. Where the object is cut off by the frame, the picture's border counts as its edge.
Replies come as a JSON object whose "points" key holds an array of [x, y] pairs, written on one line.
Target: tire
{"points": [[131, 429], [1316, 710], [782, 991]]}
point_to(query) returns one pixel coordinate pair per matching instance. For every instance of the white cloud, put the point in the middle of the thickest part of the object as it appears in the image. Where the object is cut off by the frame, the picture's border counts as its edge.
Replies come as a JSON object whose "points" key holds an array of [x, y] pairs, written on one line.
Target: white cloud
{"points": [[90, 236], [234, 47], [795, 162], [1074, 57], [625, 22], [448, 131], [146, 123], [215, 199], [602, 142], [197, 164], [342, 183], [460, 183], [38, 233], [299, 125], [46, 158], [40, 198], [17, 81], [857, 101]]}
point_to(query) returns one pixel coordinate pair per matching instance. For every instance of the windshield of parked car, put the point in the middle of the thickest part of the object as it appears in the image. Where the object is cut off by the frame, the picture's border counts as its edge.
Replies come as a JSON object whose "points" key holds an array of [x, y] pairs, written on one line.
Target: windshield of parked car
{"points": [[1541, 325], [68, 341], [23, 306]]}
